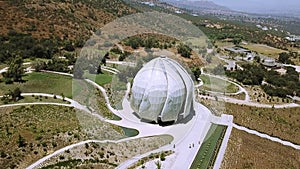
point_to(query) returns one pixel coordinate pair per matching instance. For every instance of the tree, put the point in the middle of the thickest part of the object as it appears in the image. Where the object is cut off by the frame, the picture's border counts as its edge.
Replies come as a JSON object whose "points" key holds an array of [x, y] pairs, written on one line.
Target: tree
{"points": [[15, 71], [162, 156], [257, 59], [39, 65], [103, 60], [99, 71], [284, 58], [16, 94], [236, 40], [158, 164], [184, 50], [197, 72], [21, 141]]}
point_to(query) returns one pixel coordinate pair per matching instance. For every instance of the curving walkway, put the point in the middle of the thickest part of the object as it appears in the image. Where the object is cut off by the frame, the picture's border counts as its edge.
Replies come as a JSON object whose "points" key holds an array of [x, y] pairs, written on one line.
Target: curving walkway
{"points": [[241, 89], [73, 103], [184, 134], [247, 100], [40, 161]]}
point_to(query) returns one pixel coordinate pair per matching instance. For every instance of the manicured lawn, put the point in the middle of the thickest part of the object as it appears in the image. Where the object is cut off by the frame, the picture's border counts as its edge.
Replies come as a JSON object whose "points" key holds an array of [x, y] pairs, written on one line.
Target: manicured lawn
{"points": [[207, 154], [39, 82], [217, 85], [100, 79]]}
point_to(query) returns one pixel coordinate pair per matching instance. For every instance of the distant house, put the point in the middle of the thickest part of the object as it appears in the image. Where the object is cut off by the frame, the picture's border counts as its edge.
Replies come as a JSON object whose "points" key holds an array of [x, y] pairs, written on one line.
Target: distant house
{"points": [[231, 66], [237, 50], [281, 71], [148, 3], [293, 38], [269, 62], [265, 28], [250, 56]]}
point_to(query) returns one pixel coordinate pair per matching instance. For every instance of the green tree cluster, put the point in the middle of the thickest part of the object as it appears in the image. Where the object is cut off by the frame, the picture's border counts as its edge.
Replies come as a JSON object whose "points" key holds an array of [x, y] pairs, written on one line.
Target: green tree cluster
{"points": [[15, 71], [148, 42], [282, 85], [184, 50], [250, 75], [276, 84], [12, 95], [197, 72], [285, 58]]}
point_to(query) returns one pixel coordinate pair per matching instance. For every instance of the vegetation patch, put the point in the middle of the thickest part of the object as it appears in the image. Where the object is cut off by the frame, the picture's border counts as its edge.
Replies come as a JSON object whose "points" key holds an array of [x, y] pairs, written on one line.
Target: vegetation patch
{"points": [[27, 133], [217, 85], [281, 123], [110, 154], [38, 82], [264, 49], [247, 151], [100, 79], [161, 156], [33, 99], [276, 84], [209, 149]]}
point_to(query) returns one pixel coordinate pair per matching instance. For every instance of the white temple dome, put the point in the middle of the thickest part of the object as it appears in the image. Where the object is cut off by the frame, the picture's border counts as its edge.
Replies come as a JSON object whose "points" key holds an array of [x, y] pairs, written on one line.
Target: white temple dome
{"points": [[162, 91]]}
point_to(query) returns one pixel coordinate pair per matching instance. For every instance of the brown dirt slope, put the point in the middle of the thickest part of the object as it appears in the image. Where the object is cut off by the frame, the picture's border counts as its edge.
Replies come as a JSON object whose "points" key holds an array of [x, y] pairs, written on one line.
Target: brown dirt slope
{"points": [[65, 19]]}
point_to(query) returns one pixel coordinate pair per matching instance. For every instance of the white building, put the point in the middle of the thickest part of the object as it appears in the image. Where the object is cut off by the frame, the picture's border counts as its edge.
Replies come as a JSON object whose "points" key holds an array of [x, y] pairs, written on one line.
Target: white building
{"points": [[162, 91]]}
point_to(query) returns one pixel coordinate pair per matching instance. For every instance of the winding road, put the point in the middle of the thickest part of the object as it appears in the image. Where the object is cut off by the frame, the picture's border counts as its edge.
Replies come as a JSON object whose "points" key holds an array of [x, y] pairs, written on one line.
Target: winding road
{"points": [[184, 134]]}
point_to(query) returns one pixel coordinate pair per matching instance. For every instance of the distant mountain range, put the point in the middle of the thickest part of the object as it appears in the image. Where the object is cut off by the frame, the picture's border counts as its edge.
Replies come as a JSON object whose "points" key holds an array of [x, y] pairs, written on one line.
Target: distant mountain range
{"points": [[197, 6], [266, 7]]}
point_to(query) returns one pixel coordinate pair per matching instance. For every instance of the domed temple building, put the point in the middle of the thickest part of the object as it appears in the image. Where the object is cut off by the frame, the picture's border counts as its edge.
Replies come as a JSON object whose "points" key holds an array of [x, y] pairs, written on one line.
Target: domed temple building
{"points": [[162, 91]]}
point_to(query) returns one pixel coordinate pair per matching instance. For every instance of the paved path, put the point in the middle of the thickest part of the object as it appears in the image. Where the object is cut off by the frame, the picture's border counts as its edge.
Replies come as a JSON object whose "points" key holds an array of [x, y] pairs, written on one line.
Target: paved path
{"points": [[40, 161], [120, 63], [35, 103], [275, 139], [249, 103], [73, 103], [6, 68], [110, 68], [241, 89], [184, 134], [294, 66]]}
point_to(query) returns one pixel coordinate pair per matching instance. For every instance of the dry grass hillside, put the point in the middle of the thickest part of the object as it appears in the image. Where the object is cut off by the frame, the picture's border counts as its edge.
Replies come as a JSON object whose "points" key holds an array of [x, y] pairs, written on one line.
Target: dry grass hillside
{"points": [[247, 151], [65, 19]]}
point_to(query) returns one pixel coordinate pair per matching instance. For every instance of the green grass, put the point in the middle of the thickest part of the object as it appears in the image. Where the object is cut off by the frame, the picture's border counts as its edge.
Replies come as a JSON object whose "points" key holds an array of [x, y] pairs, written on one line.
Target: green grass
{"points": [[31, 99], [218, 85], [207, 154], [224, 44], [264, 49], [38, 82], [100, 79], [130, 132]]}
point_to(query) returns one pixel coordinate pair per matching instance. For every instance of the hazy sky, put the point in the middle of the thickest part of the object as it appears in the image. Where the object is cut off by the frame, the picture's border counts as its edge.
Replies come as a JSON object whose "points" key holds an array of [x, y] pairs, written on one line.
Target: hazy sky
{"points": [[261, 5]]}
